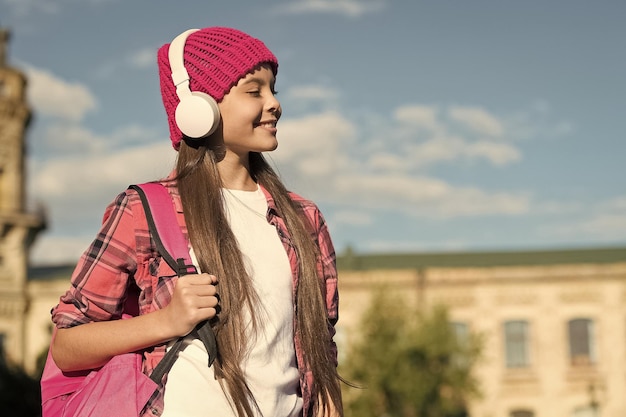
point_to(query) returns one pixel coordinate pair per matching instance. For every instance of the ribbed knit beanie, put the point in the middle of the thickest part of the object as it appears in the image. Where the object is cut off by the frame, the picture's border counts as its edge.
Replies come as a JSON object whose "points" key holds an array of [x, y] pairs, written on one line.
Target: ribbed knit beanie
{"points": [[216, 58]]}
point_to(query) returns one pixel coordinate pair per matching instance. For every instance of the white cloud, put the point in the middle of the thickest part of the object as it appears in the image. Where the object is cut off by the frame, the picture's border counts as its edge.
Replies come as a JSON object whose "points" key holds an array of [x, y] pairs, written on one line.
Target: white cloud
{"points": [[426, 197], [76, 189], [560, 207], [440, 149], [329, 149], [350, 8], [311, 145], [143, 58], [497, 153], [79, 178], [604, 220], [477, 119], [608, 219], [72, 138], [53, 96], [605, 225], [356, 218], [50, 250], [427, 138], [75, 139], [312, 93], [536, 122], [424, 117], [453, 148], [383, 161]]}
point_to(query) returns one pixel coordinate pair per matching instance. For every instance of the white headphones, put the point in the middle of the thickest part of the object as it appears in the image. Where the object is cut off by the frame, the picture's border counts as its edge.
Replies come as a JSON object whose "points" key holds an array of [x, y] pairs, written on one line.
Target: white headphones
{"points": [[197, 115]]}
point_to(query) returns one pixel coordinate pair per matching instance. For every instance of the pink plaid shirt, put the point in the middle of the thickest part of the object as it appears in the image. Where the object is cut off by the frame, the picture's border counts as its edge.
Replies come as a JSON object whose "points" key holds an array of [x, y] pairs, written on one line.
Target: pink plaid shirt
{"points": [[123, 251]]}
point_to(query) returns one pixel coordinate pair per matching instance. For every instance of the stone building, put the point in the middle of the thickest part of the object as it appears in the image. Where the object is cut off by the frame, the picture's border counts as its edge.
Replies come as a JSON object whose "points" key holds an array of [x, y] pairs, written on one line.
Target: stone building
{"points": [[18, 227], [554, 322]]}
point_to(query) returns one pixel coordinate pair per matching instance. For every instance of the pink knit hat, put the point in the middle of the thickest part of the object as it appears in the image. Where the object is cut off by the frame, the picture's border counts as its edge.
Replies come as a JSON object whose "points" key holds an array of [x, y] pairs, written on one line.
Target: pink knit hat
{"points": [[216, 58]]}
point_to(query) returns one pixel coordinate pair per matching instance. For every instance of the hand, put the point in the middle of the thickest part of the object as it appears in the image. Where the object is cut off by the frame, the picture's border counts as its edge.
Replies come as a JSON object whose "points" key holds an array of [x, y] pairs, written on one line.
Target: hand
{"points": [[194, 300]]}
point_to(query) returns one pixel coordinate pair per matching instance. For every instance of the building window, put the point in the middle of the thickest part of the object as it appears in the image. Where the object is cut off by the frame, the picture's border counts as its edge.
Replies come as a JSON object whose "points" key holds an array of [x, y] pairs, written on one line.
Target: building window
{"points": [[581, 342], [462, 336], [585, 411], [461, 331], [516, 344], [521, 413]]}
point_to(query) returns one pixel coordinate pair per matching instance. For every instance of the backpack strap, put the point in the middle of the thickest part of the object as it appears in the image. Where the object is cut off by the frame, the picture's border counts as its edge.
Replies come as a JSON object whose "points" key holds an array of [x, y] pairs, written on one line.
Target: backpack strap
{"points": [[164, 228], [173, 247]]}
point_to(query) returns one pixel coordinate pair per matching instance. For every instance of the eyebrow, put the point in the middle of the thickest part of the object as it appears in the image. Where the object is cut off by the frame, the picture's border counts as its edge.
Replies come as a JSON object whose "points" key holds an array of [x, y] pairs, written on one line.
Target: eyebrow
{"points": [[256, 80]]}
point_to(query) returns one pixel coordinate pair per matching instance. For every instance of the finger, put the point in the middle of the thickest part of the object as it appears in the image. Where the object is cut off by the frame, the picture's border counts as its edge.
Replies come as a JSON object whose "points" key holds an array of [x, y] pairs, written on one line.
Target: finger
{"points": [[214, 311], [215, 300], [213, 279], [201, 279], [205, 302], [205, 290], [208, 313]]}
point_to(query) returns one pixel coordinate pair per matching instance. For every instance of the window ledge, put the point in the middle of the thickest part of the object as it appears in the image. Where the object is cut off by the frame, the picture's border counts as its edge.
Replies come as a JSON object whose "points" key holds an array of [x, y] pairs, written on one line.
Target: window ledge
{"points": [[520, 375]]}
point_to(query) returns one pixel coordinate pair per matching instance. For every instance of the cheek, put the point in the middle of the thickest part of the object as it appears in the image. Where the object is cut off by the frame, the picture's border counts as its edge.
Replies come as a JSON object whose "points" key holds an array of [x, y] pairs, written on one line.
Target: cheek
{"points": [[238, 119], [232, 126]]}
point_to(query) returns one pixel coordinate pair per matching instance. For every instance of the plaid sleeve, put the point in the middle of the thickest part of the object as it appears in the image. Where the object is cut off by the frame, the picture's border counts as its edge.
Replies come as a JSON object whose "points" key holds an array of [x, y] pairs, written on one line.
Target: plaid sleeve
{"points": [[329, 272], [327, 266], [99, 281]]}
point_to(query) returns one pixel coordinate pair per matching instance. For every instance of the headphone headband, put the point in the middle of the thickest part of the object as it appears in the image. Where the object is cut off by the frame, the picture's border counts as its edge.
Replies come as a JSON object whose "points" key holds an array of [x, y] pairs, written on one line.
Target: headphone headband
{"points": [[176, 55]]}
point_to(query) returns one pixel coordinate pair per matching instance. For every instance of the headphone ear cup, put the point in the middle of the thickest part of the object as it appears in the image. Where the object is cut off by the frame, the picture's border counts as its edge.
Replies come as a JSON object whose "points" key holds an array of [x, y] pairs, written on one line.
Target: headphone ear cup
{"points": [[197, 115]]}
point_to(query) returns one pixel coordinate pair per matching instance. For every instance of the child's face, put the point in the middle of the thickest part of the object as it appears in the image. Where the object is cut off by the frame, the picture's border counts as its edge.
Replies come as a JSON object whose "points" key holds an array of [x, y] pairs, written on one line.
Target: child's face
{"points": [[249, 114]]}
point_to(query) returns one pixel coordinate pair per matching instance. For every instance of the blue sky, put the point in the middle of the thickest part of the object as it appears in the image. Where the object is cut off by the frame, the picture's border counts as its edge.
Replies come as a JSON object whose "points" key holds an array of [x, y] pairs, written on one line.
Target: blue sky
{"points": [[416, 126]]}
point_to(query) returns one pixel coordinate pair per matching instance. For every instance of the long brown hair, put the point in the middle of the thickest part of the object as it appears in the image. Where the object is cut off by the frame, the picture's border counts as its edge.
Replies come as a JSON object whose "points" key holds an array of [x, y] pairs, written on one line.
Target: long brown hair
{"points": [[216, 248]]}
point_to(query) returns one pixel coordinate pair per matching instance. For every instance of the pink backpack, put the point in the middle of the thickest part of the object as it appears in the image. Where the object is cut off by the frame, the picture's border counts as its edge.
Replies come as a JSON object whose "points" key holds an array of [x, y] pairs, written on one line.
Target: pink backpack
{"points": [[120, 388]]}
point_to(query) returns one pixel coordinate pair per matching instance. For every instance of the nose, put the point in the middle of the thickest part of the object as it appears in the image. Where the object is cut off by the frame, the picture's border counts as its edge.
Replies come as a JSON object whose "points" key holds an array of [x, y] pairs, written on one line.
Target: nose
{"points": [[273, 106]]}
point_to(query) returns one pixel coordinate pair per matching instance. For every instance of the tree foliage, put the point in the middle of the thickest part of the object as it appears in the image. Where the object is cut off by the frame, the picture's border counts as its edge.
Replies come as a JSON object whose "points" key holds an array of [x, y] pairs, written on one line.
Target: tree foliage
{"points": [[409, 363]]}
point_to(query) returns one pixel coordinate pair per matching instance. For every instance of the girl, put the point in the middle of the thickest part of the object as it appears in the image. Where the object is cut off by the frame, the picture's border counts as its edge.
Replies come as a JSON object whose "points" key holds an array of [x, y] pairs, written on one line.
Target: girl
{"points": [[266, 251]]}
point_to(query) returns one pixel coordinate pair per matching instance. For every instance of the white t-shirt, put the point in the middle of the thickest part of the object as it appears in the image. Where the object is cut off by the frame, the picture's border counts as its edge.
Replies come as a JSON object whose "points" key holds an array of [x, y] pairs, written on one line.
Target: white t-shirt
{"points": [[270, 368]]}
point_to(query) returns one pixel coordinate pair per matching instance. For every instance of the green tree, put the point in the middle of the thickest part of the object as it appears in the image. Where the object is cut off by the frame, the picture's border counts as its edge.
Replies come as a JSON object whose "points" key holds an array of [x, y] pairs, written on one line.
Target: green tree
{"points": [[409, 363]]}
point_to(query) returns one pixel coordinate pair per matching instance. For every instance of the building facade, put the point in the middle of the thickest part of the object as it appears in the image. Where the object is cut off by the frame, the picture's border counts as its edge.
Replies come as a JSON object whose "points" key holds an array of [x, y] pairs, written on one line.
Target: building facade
{"points": [[553, 322]]}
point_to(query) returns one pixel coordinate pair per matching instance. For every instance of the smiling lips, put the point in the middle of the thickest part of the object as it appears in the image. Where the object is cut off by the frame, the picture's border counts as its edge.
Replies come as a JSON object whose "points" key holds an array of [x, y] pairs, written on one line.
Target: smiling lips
{"points": [[269, 125]]}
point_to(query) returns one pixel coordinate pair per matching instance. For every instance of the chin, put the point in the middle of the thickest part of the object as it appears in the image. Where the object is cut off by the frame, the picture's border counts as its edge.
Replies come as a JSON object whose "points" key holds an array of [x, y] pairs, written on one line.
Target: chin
{"points": [[269, 148]]}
